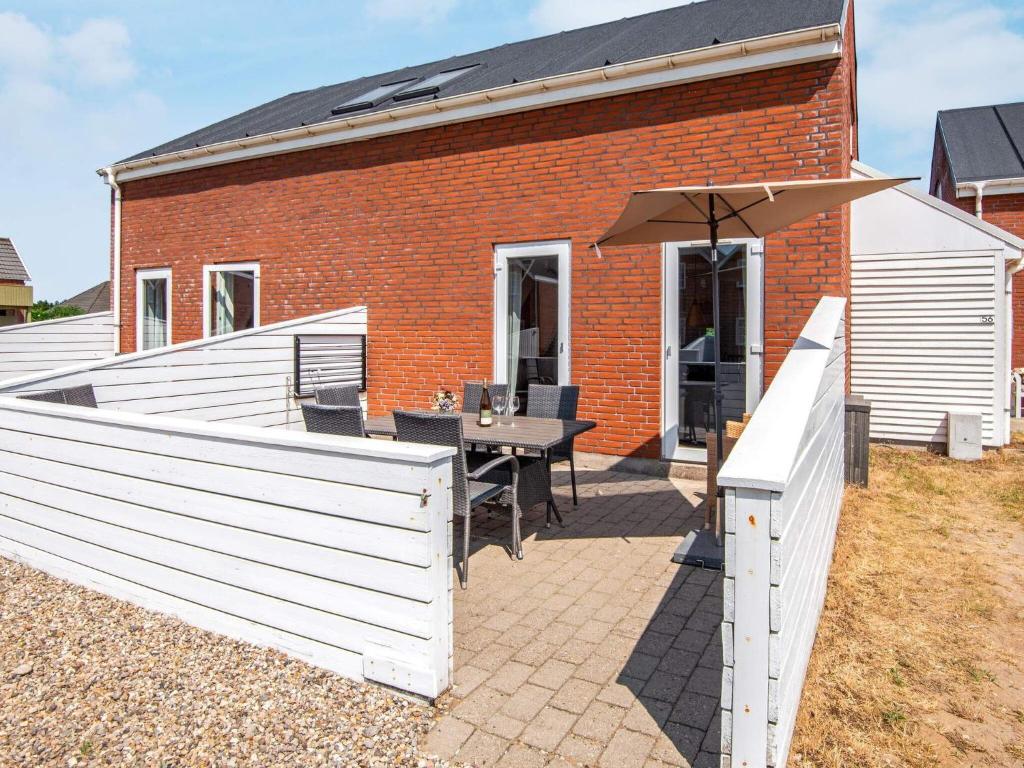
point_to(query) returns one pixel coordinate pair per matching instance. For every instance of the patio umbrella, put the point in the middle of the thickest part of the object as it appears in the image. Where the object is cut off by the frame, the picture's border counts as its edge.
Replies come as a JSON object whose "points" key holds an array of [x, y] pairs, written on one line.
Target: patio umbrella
{"points": [[680, 214]]}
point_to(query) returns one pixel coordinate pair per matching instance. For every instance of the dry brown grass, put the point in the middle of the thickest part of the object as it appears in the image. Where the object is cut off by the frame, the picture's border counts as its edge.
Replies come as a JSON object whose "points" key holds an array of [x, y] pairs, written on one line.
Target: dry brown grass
{"points": [[915, 654]]}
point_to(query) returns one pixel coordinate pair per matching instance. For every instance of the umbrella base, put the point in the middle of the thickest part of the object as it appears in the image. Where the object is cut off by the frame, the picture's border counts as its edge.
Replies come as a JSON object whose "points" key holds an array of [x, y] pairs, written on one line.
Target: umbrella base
{"points": [[701, 550]]}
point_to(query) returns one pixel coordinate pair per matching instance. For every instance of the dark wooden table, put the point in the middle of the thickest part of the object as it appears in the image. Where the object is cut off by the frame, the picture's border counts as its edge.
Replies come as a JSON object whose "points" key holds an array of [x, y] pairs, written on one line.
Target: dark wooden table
{"points": [[526, 433]]}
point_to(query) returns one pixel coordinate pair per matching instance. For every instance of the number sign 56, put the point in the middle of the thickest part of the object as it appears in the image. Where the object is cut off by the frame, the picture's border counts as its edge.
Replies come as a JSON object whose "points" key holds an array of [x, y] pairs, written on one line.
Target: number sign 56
{"points": [[988, 320]]}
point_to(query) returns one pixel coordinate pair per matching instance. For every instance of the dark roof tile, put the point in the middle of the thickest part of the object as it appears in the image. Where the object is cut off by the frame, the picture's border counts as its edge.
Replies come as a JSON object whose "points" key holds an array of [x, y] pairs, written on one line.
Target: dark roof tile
{"points": [[984, 143], [674, 30], [95, 299]]}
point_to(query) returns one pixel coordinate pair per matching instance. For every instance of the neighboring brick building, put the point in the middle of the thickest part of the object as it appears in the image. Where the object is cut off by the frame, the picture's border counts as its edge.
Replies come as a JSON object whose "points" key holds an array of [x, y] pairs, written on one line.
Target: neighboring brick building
{"points": [[978, 166], [15, 291], [415, 195]]}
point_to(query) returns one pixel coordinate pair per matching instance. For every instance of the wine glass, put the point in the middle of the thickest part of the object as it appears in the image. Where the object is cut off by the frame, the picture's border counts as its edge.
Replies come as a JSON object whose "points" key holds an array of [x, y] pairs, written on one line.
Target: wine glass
{"points": [[498, 404], [513, 408]]}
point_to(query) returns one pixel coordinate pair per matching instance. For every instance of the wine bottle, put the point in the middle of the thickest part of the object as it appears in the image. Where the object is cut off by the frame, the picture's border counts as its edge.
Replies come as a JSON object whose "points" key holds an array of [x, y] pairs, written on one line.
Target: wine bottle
{"points": [[485, 407]]}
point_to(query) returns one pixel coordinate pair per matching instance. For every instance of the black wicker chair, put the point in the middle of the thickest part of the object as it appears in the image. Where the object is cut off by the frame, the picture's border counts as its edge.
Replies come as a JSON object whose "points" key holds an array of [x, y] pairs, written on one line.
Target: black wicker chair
{"points": [[469, 489], [344, 420], [473, 390], [338, 394], [49, 396], [550, 401], [84, 396]]}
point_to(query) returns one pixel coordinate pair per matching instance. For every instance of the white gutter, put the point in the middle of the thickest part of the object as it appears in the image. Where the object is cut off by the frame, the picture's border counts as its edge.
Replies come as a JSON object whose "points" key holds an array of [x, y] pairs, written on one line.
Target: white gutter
{"points": [[115, 277], [785, 49], [990, 187]]}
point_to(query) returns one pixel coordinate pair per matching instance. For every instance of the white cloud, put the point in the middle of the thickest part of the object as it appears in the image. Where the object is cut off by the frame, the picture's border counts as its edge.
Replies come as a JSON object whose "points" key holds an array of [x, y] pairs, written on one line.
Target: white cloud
{"points": [[42, 77], [24, 47], [559, 15], [422, 11], [917, 57], [99, 52], [68, 107]]}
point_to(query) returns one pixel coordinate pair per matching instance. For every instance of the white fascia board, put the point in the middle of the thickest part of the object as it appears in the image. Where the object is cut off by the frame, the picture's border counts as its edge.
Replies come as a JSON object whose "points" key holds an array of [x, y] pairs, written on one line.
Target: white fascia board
{"points": [[818, 44], [994, 187], [1016, 243]]}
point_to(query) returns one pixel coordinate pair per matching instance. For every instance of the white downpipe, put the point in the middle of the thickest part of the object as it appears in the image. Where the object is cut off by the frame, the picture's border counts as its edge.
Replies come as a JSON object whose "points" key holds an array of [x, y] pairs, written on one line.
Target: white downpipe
{"points": [[115, 278], [979, 196], [1016, 377]]}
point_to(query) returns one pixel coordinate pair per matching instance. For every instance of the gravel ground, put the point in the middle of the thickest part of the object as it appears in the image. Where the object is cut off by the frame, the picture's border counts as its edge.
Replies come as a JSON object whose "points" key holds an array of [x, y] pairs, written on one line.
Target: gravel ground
{"points": [[86, 680]]}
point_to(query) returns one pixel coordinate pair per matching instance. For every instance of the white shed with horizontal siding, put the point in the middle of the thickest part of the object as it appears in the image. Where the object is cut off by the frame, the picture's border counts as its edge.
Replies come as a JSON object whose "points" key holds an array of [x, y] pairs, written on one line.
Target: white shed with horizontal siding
{"points": [[931, 316]]}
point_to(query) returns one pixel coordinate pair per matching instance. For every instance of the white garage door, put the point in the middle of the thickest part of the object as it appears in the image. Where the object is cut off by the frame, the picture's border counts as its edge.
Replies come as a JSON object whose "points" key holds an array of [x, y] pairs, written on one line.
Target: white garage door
{"points": [[924, 340]]}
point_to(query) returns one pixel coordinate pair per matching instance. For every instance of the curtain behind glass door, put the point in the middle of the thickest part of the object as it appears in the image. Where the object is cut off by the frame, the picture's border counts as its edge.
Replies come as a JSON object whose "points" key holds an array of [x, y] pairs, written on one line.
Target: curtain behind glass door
{"points": [[223, 303], [515, 321]]}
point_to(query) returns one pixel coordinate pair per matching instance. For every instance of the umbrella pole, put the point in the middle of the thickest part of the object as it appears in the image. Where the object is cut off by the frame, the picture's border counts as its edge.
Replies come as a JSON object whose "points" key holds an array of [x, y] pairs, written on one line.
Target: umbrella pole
{"points": [[715, 307], [703, 549]]}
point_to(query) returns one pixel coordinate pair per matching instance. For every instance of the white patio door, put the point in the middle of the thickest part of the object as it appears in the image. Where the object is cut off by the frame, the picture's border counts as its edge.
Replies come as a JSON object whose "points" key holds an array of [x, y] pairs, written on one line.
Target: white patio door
{"points": [[531, 313], [152, 308], [688, 413]]}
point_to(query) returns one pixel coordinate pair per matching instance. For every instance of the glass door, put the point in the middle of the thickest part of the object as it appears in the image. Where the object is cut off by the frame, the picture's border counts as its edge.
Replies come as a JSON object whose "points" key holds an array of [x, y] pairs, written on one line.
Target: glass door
{"points": [[688, 329], [153, 308], [531, 316]]}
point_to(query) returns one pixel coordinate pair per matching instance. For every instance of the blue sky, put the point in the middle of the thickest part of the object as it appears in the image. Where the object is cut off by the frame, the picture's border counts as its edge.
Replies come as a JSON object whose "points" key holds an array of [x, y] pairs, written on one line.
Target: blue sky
{"points": [[85, 83]]}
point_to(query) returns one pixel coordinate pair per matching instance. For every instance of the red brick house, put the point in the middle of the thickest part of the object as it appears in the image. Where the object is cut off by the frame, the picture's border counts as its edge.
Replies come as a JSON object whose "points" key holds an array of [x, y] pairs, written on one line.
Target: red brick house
{"points": [[978, 166], [457, 201]]}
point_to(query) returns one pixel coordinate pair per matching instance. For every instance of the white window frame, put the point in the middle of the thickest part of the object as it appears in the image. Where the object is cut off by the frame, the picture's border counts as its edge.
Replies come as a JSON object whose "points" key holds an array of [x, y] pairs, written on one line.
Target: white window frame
{"points": [[242, 266], [502, 253], [141, 275], [754, 299]]}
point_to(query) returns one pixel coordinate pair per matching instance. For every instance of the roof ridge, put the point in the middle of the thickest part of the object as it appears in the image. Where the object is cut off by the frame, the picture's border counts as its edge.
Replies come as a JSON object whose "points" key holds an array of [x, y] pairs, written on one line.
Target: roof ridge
{"points": [[979, 107]]}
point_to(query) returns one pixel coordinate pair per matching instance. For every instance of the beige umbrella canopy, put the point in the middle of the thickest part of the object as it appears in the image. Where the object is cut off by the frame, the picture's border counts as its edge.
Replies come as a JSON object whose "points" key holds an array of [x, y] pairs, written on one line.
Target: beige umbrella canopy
{"points": [[681, 214], [739, 210]]}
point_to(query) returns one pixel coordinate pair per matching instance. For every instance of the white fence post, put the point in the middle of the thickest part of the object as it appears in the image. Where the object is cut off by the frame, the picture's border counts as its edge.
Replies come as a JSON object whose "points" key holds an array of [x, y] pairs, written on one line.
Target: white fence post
{"points": [[747, 587], [783, 485]]}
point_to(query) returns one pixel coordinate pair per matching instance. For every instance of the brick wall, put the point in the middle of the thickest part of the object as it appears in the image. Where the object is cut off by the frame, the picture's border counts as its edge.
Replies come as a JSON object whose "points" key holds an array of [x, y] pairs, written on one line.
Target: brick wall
{"points": [[406, 225]]}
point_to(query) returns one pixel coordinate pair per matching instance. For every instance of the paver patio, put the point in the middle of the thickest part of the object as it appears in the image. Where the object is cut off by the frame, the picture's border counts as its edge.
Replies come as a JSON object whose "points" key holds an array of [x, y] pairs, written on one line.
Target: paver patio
{"points": [[595, 650]]}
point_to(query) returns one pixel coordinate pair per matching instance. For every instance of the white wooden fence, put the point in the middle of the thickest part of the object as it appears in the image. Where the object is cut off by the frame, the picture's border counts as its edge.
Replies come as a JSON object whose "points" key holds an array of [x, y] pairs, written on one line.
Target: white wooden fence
{"points": [[239, 377], [783, 484], [336, 550], [43, 346]]}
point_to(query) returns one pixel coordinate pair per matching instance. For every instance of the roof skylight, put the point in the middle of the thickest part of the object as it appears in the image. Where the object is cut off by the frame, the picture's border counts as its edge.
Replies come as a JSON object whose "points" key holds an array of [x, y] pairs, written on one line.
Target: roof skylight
{"points": [[371, 98], [432, 84]]}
